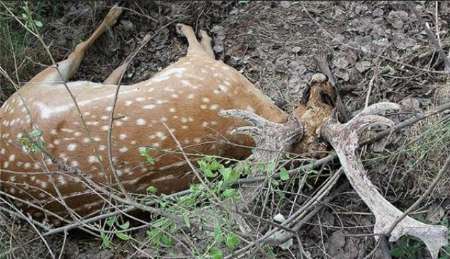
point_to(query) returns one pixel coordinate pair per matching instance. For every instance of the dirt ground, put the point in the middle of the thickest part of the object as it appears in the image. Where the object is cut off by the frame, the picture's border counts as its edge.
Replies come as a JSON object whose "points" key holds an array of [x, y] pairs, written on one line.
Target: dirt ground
{"points": [[379, 45]]}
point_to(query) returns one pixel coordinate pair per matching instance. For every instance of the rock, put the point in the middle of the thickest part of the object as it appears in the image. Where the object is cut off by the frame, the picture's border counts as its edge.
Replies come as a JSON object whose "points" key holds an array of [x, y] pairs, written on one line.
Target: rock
{"points": [[397, 18], [442, 93], [341, 62], [378, 12], [383, 42], [296, 49], [218, 39], [342, 74], [339, 38], [285, 4], [410, 104], [336, 243], [105, 254], [363, 66], [127, 25], [402, 41], [279, 218], [435, 214]]}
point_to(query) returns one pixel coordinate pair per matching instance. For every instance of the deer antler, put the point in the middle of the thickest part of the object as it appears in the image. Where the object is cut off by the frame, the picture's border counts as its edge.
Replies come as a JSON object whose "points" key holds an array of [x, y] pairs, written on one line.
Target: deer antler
{"points": [[270, 137], [344, 139]]}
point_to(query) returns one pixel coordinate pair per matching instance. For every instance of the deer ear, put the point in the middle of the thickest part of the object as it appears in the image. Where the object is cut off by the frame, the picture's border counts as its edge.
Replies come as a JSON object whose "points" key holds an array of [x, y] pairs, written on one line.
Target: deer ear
{"points": [[328, 99], [306, 94]]}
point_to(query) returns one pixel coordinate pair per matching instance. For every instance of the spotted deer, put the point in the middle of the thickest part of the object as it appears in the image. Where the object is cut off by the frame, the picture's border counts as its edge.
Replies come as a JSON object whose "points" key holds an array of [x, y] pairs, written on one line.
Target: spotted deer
{"points": [[54, 132]]}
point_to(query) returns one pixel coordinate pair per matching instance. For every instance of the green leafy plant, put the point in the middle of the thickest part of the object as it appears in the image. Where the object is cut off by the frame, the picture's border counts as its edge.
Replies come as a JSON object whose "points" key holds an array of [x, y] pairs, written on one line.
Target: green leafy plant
{"points": [[232, 241], [284, 174], [209, 166], [30, 22], [215, 253], [151, 189], [407, 248], [115, 228], [32, 142], [145, 152], [157, 234]]}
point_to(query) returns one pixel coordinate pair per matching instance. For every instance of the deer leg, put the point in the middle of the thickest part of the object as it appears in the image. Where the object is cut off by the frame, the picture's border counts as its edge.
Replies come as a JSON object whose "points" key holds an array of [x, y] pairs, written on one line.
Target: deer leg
{"points": [[194, 46], [65, 69], [116, 75], [206, 43]]}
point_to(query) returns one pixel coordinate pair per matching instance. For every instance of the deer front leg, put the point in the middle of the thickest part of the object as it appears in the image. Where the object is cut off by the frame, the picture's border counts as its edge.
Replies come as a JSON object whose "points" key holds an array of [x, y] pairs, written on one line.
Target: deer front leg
{"points": [[344, 139]]}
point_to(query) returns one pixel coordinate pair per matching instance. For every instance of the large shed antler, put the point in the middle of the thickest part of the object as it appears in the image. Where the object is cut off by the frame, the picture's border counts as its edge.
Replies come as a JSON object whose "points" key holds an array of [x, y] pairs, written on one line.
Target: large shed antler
{"points": [[344, 139]]}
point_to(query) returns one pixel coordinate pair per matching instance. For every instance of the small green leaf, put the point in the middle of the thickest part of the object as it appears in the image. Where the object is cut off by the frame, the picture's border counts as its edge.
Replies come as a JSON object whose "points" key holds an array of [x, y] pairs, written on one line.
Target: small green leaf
{"points": [[110, 221], [195, 188], [36, 133], [218, 234], [232, 241], [209, 166], [153, 234], [123, 236], [187, 221], [125, 225], [229, 175], [166, 240], [244, 168], [271, 167], [209, 173], [106, 240], [152, 189], [163, 204], [38, 24], [397, 252], [228, 193], [284, 174], [144, 152], [215, 253]]}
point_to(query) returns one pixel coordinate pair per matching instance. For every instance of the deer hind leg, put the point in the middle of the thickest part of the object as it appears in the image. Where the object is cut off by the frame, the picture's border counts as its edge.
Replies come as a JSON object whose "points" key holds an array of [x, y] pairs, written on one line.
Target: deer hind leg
{"points": [[68, 67], [116, 75], [194, 46], [206, 43]]}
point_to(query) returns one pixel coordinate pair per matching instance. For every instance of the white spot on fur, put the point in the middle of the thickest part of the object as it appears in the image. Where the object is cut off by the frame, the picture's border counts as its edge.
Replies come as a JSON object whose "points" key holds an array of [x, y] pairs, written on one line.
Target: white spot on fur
{"points": [[140, 121], [92, 159], [166, 74], [148, 107], [71, 147]]}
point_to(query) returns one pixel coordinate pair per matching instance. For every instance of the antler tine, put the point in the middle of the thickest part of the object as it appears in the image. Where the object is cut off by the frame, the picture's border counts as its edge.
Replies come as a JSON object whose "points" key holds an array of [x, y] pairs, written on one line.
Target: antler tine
{"points": [[250, 117], [247, 130], [378, 109], [361, 123], [268, 136]]}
